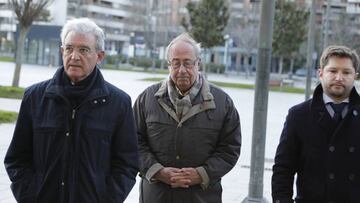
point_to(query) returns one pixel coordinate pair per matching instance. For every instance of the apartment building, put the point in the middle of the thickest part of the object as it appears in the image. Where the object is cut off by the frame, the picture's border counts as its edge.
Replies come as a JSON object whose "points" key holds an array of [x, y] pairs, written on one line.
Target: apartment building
{"points": [[7, 26], [112, 15]]}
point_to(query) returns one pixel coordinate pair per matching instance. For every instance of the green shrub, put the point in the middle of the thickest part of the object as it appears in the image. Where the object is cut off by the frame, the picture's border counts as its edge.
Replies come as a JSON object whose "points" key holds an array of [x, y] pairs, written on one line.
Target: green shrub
{"points": [[115, 59], [8, 116], [158, 63], [215, 68], [144, 62]]}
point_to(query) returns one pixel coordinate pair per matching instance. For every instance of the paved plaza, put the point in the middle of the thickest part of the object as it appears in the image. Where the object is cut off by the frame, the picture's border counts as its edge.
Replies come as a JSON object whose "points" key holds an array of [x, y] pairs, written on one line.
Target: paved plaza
{"points": [[235, 183]]}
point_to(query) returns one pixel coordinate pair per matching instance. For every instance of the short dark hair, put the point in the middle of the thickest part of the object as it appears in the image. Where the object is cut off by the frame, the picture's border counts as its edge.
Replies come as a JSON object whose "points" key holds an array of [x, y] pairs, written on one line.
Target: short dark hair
{"points": [[339, 51]]}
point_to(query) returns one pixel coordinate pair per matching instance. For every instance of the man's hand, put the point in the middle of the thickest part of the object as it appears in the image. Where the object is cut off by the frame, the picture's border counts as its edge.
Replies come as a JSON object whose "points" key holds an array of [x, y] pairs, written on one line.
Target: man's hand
{"points": [[186, 178], [192, 175], [165, 174], [176, 177]]}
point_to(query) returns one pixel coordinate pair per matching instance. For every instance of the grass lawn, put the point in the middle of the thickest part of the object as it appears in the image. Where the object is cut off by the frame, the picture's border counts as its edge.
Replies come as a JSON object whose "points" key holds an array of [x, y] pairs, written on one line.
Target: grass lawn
{"points": [[11, 92], [7, 116], [136, 69], [7, 59], [286, 89]]}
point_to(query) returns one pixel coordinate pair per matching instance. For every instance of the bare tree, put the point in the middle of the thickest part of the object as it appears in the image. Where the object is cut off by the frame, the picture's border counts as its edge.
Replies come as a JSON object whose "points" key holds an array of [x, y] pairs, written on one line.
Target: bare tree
{"points": [[248, 41], [346, 32], [26, 11]]}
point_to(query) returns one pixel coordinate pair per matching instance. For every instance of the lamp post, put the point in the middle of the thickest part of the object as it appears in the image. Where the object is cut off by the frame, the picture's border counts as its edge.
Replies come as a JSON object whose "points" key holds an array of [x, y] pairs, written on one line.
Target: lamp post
{"points": [[153, 51], [226, 52], [132, 48], [260, 103]]}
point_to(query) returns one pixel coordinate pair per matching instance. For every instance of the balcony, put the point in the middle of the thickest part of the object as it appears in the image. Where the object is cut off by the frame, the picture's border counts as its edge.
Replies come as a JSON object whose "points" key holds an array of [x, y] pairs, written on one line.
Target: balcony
{"points": [[117, 37], [113, 24], [7, 27], [122, 2], [6, 14], [107, 11]]}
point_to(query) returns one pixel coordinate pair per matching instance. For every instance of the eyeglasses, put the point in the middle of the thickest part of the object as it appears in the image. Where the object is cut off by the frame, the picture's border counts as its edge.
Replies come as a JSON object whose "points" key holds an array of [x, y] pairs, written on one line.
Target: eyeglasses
{"points": [[68, 50], [187, 63]]}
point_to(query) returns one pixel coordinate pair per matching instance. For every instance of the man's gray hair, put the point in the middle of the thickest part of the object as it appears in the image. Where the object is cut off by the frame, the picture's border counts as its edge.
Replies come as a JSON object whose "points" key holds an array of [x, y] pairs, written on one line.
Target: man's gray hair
{"points": [[185, 37], [84, 26]]}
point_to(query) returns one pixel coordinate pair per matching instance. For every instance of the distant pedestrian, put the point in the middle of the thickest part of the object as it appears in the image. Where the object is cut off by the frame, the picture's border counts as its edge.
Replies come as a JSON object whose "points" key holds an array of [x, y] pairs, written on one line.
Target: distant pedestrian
{"points": [[189, 132], [74, 140], [320, 142]]}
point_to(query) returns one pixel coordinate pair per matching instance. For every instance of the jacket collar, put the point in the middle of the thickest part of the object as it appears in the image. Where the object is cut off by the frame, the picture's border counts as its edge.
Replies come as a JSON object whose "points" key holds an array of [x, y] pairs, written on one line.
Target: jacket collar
{"points": [[323, 118], [205, 90], [55, 88], [318, 102], [205, 101]]}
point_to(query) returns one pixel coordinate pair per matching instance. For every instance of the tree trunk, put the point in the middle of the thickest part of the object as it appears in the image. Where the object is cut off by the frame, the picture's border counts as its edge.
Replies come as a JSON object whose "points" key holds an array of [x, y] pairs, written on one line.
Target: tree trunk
{"points": [[19, 54], [291, 68], [204, 63], [247, 66], [281, 60]]}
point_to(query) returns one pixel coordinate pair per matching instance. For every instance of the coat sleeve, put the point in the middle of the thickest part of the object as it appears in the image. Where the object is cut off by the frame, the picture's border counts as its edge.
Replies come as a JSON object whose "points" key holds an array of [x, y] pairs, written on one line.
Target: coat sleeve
{"points": [[146, 157], [19, 157], [124, 156], [228, 147], [286, 160]]}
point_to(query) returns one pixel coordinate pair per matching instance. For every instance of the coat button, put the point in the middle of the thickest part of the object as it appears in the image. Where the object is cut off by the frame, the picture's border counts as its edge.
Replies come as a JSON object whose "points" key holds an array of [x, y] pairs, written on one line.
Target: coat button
{"points": [[331, 148], [95, 101], [67, 134], [351, 149], [103, 100], [355, 113], [331, 176], [62, 183], [177, 157], [351, 177]]}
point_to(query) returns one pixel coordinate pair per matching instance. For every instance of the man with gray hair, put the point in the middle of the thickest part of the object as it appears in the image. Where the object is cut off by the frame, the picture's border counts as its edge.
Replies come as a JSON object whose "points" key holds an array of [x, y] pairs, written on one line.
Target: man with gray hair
{"points": [[75, 138], [320, 141], [188, 131]]}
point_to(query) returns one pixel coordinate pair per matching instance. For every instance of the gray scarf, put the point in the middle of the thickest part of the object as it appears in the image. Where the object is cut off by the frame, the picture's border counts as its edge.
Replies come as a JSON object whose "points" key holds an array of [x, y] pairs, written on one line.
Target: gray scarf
{"points": [[183, 103]]}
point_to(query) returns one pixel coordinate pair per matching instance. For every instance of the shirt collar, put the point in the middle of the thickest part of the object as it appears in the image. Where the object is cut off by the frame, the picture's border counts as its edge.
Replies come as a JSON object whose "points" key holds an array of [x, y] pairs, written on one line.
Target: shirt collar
{"points": [[328, 99]]}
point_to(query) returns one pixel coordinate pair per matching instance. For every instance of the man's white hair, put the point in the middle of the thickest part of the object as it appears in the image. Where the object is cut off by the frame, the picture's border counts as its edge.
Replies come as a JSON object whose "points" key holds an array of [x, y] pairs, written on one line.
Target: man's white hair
{"points": [[185, 37], [84, 26]]}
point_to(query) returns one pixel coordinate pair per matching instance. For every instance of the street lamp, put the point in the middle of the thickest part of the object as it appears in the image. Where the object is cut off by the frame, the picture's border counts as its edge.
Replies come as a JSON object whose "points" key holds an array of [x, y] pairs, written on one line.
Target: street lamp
{"points": [[131, 47], [226, 51]]}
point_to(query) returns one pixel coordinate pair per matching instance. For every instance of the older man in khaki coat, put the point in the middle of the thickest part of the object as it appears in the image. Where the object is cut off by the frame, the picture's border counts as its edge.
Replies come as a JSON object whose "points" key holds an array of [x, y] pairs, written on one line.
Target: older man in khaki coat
{"points": [[188, 130]]}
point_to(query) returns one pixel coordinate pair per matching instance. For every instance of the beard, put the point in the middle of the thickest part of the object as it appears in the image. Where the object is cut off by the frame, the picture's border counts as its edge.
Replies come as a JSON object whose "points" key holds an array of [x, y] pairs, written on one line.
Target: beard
{"points": [[338, 91]]}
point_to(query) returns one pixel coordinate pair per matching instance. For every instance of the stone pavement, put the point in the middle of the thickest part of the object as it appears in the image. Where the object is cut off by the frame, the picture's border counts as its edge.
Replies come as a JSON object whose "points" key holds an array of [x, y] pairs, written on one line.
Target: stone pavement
{"points": [[235, 183]]}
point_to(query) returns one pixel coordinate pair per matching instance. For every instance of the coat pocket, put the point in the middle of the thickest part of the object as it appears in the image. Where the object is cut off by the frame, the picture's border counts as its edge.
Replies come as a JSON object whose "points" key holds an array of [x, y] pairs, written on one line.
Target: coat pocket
{"points": [[25, 190]]}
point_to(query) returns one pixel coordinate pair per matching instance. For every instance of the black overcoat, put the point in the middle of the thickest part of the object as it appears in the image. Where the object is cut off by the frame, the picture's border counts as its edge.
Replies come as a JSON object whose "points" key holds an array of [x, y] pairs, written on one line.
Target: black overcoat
{"points": [[325, 157], [61, 154]]}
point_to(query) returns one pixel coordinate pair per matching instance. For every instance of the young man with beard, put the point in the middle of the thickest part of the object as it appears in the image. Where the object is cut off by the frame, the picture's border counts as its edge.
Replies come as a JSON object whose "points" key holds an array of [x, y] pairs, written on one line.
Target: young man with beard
{"points": [[320, 142]]}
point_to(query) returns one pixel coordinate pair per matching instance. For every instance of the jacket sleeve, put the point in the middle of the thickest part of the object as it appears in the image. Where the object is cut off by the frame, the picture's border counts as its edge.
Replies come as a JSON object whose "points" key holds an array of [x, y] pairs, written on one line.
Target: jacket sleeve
{"points": [[124, 156], [286, 159], [228, 147], [148, 162], [19, 157]]}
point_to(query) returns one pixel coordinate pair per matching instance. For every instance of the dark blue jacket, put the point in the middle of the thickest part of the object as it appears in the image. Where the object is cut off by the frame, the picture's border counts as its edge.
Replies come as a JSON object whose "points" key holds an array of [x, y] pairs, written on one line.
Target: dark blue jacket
{"points": [[61, 154], [325, 157]]}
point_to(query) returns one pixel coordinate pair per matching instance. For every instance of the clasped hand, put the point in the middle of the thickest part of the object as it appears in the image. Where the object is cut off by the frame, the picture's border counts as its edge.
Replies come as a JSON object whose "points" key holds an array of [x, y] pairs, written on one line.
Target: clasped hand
{"points": [[179, 178]]}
